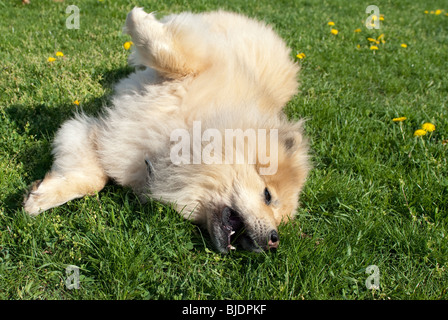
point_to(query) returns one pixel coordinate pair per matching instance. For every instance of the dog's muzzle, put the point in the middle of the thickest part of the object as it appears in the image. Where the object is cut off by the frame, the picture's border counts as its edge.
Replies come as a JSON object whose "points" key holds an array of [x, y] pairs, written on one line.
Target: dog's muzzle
{"points": [[236, 231]]}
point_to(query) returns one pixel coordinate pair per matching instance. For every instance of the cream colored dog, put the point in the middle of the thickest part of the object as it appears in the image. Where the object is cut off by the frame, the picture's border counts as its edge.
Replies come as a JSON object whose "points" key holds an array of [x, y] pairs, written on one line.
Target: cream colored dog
{"points": [[221, 70]]}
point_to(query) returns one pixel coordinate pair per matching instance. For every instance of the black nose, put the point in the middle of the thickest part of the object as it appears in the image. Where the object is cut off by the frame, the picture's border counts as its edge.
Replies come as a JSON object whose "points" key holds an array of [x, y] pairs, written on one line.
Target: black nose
{"points": [[274, 236], [273, 240]]}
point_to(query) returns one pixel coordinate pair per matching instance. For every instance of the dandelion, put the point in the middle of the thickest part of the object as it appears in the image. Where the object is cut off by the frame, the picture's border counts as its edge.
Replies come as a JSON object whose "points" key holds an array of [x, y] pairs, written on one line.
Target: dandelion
{"points": [[127, 45], [437, 12], [358, 46], [404, 45], [334, 31], [331, 23], [400, 120], [301, 55], [373, 40], [76, 102], [51, 59], [59, 54], [428, 127], [357, 30], [419, 133], [381, 17], [373, 48]]}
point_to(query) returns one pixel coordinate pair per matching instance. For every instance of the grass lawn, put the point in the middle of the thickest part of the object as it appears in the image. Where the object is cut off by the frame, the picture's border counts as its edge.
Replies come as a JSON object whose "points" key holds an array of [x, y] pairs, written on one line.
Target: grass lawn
{"points": [[377, 195]]}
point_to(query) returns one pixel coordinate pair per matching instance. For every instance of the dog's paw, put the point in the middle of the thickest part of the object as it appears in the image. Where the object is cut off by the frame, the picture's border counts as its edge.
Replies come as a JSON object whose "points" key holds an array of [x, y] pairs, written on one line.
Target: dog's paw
{"points": [[31, 202], [138, 21]]}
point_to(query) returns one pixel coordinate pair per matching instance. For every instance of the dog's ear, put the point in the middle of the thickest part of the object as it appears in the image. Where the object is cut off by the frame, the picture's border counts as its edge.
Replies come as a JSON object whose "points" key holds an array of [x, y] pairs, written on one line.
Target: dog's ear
{"points": [[150, 169], [291, 137], [291, 141]]}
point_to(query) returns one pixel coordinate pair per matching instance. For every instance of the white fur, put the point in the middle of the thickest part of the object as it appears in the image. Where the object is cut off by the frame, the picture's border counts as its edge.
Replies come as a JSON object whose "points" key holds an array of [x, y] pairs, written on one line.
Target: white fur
{"points": [[220, 68]]}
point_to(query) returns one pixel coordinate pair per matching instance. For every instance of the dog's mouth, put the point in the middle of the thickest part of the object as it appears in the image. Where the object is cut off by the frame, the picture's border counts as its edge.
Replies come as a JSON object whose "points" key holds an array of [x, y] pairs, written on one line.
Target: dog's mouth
{"points": [[232, 226], [229, 229]]}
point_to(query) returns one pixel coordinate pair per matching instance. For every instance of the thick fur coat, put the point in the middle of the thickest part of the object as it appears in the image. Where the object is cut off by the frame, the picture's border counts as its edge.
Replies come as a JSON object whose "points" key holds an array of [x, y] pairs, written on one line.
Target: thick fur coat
{"points": [[221, 70]]}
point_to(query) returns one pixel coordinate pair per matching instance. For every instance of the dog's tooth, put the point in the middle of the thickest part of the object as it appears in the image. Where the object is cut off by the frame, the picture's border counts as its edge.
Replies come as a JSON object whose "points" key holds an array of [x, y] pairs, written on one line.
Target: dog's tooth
{"points": [[232, 232], [232, 247]]}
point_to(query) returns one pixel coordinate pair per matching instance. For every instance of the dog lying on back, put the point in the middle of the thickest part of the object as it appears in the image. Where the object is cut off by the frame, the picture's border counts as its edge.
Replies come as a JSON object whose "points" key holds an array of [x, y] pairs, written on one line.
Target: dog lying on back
{"points": [[198, 125]]}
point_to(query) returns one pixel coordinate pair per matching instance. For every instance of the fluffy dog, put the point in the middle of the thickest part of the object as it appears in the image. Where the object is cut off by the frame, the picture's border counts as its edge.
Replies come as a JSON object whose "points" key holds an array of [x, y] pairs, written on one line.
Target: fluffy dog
{"points": [[222, 71]]}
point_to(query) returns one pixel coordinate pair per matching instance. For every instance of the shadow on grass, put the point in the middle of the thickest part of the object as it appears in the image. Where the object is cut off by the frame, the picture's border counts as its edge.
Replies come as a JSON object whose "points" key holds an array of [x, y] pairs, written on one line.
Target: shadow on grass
{"points": [[42, 122]]}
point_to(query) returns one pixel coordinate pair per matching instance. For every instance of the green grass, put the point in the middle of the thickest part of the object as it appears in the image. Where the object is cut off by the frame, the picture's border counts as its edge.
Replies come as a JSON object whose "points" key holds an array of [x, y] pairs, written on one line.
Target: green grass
{"points": [[377, 195]]}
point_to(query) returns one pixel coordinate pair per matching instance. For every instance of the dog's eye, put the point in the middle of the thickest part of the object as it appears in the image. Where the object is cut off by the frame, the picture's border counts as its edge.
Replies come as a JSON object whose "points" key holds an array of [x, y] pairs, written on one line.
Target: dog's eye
{"points": [[267, 196]]}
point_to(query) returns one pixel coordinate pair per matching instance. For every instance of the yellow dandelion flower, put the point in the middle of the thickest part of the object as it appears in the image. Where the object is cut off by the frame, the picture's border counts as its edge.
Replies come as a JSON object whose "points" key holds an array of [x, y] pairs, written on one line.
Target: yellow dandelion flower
{"points": [[51, 59], [331, 23], [419, 133], [404, 45], [373, 48], [334, 31], [358, 46], [371, 40], [426, 11], [437, 12], [76, 102], [59, 54], [357, 30], [400, 119], [374, 17], [127, 45], [431, 12], [382, 18], [428, 127], [301, 55]]}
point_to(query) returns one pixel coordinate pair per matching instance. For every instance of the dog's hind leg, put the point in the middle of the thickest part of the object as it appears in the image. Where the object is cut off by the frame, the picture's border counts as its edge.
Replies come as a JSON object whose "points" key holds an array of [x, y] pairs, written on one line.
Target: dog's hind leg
{"points": [[174, 46], [76, 170]]}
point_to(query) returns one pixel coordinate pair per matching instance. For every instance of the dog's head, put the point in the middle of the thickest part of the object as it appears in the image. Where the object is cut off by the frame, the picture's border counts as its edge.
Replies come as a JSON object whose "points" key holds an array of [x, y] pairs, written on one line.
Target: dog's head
{"points": [[241, 202], [249, 204]]}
